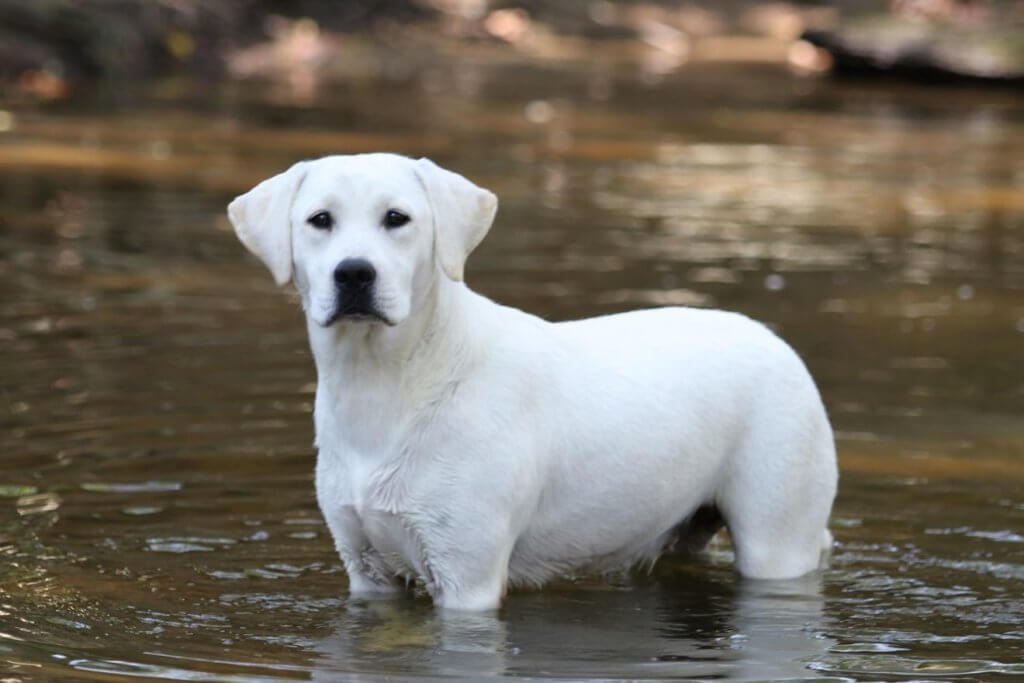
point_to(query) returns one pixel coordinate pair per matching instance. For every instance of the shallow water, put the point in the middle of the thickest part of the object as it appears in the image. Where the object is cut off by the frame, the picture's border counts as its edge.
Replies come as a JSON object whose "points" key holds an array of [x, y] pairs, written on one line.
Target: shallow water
{"points": [[157, 516]]}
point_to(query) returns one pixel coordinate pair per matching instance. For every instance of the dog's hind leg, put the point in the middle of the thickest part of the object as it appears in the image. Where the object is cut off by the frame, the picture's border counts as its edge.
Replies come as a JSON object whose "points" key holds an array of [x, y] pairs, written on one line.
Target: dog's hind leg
{"points": [[778, 499]]}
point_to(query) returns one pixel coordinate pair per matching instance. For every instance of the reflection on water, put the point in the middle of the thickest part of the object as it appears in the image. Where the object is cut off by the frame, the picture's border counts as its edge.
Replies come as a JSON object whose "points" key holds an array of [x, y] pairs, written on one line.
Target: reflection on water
{"points": [[709, 628], [156, 506]]}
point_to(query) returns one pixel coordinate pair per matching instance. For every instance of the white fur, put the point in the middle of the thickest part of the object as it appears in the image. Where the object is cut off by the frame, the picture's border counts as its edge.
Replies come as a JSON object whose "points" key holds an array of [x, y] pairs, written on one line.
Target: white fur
{"points": [[471, 445]]}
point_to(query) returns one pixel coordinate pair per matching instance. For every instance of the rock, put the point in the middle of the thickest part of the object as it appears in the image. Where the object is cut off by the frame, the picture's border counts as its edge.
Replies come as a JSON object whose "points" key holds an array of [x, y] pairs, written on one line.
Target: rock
{"points": [[924, 50]]}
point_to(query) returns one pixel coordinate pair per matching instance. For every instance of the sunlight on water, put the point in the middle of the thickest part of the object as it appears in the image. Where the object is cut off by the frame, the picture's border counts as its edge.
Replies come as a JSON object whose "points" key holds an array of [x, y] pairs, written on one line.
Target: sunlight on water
{"points": [[157, 516]]}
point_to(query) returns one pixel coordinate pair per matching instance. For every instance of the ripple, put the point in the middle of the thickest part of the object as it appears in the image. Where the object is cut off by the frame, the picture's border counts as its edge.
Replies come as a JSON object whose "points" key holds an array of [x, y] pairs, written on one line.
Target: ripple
{"points": [[280, 601], [139, 510], [303, 535], [140, 669], [131, 487], [69, 623], [247, 574], [900, 666], [1000, 570], [187, 544], [1002, 536], [178, 547], [857, 648]]}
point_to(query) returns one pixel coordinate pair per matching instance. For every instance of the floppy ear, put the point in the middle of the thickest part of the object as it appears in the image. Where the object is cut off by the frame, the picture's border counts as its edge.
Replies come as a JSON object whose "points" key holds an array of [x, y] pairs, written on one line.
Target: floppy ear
{"points": [[262, 222], [463, 214]]}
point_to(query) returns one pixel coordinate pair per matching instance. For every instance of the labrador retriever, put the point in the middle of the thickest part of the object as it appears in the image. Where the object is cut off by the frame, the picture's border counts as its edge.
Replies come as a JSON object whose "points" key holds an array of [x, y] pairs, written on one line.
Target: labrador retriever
{"points": [[472, 446]]}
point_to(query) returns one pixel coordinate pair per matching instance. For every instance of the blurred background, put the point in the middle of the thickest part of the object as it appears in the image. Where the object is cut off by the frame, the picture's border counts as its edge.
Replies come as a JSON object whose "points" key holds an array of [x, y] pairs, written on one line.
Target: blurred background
{"points": [[851, 173]]}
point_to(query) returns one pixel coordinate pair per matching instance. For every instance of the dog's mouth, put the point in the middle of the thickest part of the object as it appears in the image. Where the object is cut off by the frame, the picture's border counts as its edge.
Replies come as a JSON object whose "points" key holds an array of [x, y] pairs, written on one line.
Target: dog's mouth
{"points": [[356, 314]]}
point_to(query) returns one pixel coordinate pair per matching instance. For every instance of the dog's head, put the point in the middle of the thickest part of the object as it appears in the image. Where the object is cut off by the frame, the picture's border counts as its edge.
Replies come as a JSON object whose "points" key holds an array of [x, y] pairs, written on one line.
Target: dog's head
{"points": [[363, 236]]}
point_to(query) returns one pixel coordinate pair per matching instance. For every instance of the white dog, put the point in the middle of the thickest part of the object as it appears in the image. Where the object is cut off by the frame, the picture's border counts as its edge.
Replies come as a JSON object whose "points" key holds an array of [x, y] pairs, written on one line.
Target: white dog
{"points": [[472, 446]]}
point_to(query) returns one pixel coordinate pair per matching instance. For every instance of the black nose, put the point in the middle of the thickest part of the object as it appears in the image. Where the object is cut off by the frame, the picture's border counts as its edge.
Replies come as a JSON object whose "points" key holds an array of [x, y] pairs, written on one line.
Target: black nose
{"points": [[355, 274]]}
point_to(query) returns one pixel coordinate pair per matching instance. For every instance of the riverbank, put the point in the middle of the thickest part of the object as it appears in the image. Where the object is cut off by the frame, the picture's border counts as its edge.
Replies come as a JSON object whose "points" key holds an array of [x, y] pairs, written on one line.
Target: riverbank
{"points": [[50, 49]]}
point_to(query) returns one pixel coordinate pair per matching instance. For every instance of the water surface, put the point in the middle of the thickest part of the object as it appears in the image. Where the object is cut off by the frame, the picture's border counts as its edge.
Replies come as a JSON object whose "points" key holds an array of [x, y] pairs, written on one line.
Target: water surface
{"points": [[157, 516]]}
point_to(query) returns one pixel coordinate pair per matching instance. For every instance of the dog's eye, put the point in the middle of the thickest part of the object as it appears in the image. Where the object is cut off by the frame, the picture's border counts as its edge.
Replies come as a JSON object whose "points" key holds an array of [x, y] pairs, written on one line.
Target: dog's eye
{"points": [[395, 219], [322, 220]]}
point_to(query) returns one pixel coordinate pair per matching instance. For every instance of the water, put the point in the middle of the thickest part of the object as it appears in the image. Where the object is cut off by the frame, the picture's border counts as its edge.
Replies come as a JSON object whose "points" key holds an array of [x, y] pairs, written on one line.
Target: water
{"points": [[157, 516]]}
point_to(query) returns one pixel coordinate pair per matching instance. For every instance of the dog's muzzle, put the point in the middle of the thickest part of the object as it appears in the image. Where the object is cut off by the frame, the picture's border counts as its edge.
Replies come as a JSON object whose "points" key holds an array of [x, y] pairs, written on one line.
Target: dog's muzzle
{"points": [[354, 279]]}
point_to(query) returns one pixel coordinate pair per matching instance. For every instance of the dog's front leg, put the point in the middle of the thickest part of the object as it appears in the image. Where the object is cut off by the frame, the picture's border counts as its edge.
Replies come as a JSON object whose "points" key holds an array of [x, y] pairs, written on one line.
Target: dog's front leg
{"points": [[367, 573], [368, 576], [470, 576], [473, 595], [365, 579]]}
